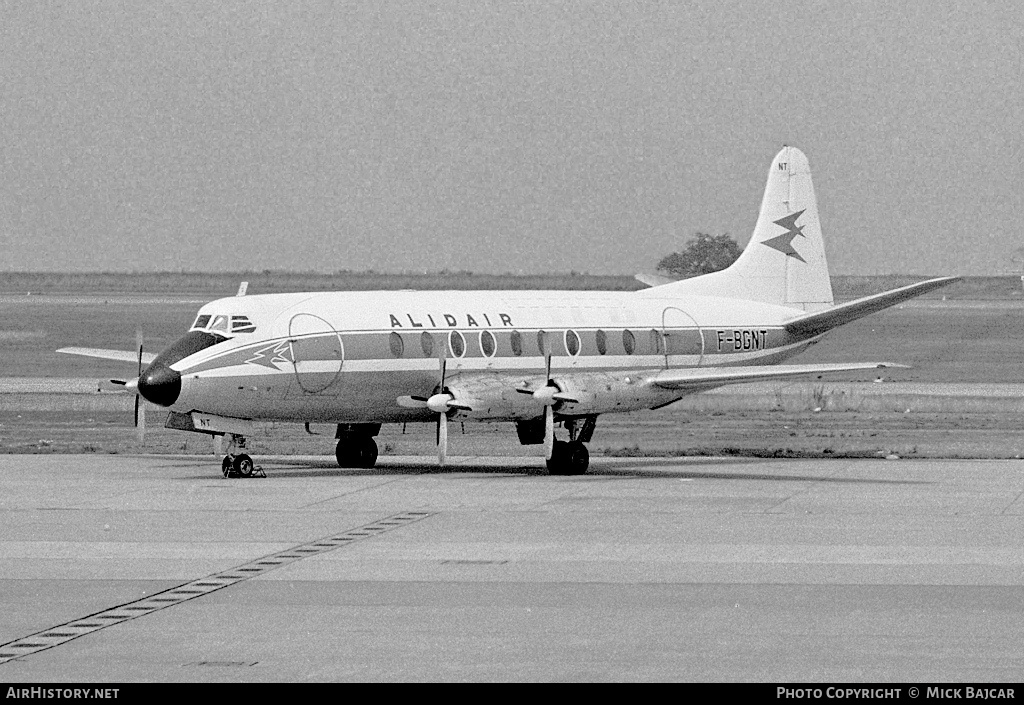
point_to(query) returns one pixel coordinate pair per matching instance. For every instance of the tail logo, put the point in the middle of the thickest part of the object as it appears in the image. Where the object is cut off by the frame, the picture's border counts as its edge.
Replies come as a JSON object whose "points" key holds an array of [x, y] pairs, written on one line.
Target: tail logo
{"points": [[784, 242]]}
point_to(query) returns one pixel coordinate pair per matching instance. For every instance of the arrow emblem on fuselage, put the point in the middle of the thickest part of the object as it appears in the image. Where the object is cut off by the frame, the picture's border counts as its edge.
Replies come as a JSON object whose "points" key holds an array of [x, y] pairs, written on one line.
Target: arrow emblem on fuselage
{"points": [[272, 356]]}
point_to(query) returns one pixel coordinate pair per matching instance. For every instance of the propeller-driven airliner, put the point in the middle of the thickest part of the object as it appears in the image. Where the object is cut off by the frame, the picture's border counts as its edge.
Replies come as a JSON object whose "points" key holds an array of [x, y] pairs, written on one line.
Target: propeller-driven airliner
{"points": [[538, 359]]}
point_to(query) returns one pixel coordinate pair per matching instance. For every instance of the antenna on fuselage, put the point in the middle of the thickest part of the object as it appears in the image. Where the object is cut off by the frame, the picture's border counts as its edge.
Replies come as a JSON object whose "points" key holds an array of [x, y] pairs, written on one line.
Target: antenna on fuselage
{"points": [[241, 288]]}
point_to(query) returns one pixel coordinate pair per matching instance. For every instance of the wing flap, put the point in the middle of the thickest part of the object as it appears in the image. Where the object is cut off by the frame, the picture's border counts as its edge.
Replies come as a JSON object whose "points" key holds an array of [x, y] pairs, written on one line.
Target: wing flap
{"points": [[822, 321], [707, 377], [122, 355]]}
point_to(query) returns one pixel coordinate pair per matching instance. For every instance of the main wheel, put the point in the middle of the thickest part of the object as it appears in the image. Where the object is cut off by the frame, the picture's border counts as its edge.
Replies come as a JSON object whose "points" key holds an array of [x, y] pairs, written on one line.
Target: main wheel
{"points": [[577, 458], [556, 463], [225, 466], [366, 453], [356, 452], [571, 458], [243, 465]]}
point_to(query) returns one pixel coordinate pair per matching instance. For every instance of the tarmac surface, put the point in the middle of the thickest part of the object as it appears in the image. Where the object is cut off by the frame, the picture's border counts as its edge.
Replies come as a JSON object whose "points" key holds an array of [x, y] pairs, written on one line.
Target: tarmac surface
{"points": [[155, 568]]}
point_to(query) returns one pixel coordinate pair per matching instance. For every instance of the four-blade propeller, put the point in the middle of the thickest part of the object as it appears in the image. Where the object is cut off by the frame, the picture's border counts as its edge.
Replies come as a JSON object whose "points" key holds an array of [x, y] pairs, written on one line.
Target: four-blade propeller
{"points": [[442, 403], [550, 395], [132, 385]]}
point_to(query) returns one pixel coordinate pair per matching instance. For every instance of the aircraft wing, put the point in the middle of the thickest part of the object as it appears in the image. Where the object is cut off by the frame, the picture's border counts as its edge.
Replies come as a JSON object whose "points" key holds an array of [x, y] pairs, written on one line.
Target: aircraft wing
{"points": [[822, 321], [700, 378], [122, 355]]}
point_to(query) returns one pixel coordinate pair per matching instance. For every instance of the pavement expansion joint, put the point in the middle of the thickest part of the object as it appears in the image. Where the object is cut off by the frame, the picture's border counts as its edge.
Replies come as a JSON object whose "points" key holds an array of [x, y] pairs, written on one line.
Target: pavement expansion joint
{"points": [[62, 633]]}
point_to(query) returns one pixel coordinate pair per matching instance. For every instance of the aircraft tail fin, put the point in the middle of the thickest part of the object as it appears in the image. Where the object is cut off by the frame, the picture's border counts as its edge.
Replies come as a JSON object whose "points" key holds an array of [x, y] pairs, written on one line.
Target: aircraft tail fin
{"points": [[784, 262]]}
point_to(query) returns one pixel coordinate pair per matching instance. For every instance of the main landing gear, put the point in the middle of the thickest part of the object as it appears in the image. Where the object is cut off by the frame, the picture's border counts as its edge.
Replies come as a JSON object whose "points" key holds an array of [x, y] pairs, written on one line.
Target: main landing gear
{"points": [[572, 457], [356, 453], [356, 447], [568, 458], [237, 463]]}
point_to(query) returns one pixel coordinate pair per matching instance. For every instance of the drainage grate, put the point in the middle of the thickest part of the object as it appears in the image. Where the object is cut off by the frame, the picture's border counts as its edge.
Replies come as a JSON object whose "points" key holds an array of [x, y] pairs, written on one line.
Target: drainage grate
{"points": [[456, 561], [63, 633], [224, 664]]}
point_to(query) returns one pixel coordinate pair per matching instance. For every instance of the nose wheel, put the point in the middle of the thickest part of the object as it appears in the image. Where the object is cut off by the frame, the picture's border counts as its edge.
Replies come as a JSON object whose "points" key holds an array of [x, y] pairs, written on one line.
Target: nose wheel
{"points": [[239, 464]]}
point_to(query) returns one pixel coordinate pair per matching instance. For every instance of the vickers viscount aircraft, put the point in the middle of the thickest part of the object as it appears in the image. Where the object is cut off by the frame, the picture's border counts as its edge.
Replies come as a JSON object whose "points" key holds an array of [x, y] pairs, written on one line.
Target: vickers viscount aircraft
{"points": [[537, 359]]}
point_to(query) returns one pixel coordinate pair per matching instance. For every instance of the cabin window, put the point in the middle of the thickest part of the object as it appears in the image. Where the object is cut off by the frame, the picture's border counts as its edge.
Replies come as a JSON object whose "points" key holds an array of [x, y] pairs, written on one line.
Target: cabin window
{"points": [[397, 345], [516, 341], [542, 342], [656, 341], [201, 322], [602, 342], [572, 343], [487, 346], [456, 343], [628, 342], [427, 343]]}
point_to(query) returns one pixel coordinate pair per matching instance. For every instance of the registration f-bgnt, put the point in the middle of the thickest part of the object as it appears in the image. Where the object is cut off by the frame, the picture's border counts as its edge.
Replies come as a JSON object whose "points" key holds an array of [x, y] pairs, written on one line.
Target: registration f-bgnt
{"points": [[538, 359]]}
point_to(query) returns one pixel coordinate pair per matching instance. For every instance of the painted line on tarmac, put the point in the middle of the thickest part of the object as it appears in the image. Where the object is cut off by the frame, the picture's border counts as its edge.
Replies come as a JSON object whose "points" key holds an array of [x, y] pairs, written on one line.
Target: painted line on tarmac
{"points": [[68, 631]]}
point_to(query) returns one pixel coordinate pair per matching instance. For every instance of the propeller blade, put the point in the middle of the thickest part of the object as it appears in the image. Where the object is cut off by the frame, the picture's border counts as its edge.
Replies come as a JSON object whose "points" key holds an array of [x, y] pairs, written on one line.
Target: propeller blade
{"points": [[408, 402], [442, 439], [547, 370], [138, 344], [133, 386], [217, 438], [112, 385], [140, 420], [549, 432], [440, 405]]}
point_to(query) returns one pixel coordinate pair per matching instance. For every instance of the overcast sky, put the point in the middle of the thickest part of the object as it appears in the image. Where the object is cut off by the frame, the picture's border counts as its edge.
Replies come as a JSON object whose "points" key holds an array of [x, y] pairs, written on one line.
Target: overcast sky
{"points": [[502, 136]]}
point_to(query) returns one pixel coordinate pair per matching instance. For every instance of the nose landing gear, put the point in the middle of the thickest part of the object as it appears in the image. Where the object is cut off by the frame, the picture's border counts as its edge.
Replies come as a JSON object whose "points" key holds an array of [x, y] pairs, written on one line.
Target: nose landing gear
{"points": [[237, 463]]}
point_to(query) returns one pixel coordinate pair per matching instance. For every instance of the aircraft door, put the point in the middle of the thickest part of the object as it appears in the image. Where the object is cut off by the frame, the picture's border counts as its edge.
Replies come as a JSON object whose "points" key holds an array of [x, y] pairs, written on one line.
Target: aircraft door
{"points": [[317, 352], [684, 343]]}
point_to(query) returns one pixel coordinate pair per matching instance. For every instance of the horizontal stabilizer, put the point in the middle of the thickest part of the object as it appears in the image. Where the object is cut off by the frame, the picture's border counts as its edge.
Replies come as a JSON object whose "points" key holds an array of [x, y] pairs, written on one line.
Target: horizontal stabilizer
{"points": [[822, 321], [122, 355], [653, 279], [707, 377]]}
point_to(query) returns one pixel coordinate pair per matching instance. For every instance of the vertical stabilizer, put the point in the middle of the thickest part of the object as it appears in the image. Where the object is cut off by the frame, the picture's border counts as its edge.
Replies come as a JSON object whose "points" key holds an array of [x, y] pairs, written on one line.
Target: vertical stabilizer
{"points": [[784, 262]]}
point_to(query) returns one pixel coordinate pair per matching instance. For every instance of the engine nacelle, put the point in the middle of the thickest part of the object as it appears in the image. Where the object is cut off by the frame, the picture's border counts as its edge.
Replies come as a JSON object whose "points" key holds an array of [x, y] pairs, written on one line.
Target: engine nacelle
{"points": [[603, 392], [490, 396]]}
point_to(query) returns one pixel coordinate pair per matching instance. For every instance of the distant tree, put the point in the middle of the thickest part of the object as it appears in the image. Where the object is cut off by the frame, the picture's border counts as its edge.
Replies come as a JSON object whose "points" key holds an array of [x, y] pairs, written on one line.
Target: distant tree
{"points": [[703, 254]]}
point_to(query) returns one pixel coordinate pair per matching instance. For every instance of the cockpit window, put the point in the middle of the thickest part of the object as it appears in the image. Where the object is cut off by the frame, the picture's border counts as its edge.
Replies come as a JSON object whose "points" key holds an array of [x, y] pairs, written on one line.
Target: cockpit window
{"points": [[220, 324], [242, 324], [224, 325]]}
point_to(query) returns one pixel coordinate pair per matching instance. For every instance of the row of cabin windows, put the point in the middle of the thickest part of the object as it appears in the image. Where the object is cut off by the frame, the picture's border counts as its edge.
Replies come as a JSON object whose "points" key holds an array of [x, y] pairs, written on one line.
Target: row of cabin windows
{"points": [[489, 345]]}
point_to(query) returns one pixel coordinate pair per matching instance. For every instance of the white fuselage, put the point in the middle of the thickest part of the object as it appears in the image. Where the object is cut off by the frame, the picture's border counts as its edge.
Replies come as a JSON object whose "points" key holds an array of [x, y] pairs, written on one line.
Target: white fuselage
{"points": [[347, 357]]}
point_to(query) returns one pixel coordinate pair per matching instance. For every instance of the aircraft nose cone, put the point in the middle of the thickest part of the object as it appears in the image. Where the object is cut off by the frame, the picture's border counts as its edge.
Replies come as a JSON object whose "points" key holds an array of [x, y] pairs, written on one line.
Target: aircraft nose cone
{"points": [[160, 385]]}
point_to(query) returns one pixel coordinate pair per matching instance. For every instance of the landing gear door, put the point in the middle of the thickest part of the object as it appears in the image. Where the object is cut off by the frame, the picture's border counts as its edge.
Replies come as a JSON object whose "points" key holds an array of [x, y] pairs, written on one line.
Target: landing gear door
{"points": [[317, 352], [684, 343]]}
